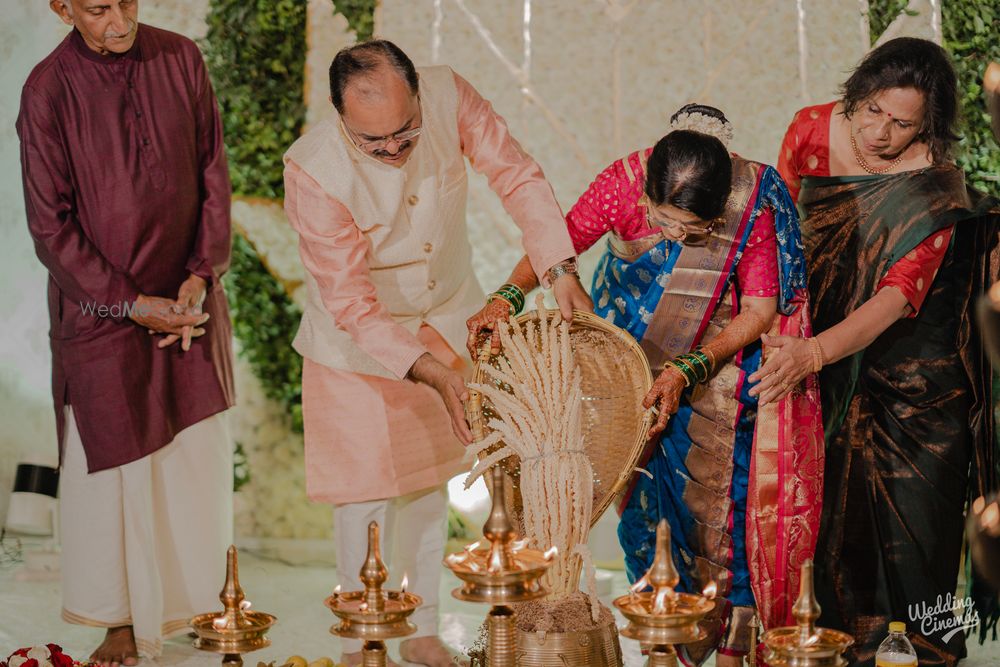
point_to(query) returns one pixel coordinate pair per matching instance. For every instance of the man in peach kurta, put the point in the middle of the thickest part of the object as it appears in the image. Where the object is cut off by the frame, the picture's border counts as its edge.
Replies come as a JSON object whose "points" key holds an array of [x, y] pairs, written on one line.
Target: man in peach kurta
{"points": [[377, 193]]}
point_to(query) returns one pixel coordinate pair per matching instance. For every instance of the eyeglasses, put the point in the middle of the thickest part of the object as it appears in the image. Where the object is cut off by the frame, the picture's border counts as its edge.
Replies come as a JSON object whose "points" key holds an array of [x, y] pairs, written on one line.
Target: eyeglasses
{"points": [[380, 143], [676, 229]]}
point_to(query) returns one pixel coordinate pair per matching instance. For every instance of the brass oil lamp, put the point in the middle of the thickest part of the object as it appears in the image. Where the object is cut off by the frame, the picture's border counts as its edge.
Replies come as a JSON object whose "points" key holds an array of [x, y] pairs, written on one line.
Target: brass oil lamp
{"points": [[373, 614], [803, 644], [663, 616], [500, 574], [236, 629]]}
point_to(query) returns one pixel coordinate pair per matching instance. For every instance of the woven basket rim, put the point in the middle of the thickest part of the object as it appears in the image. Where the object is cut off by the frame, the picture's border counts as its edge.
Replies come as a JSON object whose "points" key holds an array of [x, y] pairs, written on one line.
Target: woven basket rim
{"points": [[591, 321]]}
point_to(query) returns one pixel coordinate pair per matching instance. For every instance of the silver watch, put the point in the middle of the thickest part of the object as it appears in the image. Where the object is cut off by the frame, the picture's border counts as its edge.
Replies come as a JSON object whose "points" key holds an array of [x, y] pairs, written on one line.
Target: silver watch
{"points": [[562, 268]]}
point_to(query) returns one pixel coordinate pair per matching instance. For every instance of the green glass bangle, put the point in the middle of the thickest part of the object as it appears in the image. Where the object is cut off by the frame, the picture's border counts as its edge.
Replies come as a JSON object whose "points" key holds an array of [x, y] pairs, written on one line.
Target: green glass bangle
{"points": [[686, 363], [495, 295], [686, 371], [515, 295], [702, 360], [515, 299]]}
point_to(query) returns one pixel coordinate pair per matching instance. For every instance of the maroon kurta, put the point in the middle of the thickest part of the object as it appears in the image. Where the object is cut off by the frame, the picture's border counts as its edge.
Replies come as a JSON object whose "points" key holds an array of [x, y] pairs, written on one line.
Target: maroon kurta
{"points": [[127, 192]]}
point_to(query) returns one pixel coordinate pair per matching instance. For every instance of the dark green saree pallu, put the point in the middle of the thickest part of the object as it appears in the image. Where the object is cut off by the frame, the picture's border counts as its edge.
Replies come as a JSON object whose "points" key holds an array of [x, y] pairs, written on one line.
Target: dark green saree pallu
{"points": [[909, 429]]}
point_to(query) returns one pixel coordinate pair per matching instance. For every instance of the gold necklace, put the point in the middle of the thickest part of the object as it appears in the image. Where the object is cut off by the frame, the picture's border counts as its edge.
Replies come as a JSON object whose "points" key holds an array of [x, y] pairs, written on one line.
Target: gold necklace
{"points": [[867, 167]]}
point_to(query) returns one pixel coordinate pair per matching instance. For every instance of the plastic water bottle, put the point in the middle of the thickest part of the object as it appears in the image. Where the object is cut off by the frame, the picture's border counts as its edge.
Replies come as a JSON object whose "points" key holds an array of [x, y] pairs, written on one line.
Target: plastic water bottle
{"points": [[896, 650]]}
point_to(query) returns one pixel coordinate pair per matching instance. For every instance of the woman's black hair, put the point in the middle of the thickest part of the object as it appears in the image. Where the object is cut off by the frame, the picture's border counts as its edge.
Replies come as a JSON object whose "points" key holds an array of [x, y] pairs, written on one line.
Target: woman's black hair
{"points": [[691, 170], [908, 62], [363, 58]]}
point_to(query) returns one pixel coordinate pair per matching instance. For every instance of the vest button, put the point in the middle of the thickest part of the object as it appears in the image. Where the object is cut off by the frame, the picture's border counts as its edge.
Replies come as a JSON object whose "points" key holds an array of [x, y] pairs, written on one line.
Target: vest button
{"points": [[428, 248], [431, 284], [412, 200]]}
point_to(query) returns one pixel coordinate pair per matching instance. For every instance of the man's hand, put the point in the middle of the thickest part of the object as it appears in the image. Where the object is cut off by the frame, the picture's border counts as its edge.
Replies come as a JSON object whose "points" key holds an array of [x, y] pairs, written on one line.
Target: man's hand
{"points": [[485, 323], [165, 316], [189, 299], [450, 386], [192, 294], [571, 296]]}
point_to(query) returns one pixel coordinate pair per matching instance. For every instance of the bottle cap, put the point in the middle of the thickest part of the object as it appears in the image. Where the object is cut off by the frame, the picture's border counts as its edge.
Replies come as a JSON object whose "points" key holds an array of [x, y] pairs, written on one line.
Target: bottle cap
{"points": [[897, 626]]}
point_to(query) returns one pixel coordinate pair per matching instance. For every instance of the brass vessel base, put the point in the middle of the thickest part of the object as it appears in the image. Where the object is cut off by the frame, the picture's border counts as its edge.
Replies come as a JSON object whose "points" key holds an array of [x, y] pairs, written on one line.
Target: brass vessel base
{"points": [[501, 647], [373, 654], [662, 656], [598, 647]]}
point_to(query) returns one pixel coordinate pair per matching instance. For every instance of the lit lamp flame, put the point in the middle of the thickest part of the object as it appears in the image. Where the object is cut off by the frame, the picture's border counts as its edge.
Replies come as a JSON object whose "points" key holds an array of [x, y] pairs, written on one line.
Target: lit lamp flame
{"points": [[364, 606], [518, 545], [496, 561], [472, 547], [639, 585], [336, 591], [219, 623], [405, 583], [245, 605], [455, 559], [551, 553], [710, 590], [660, 601]]}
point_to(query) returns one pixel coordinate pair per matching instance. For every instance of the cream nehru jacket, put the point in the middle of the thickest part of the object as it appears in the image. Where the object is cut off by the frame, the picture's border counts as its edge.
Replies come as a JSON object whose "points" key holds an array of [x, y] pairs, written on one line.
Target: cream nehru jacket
{"points": [[413, 217]]}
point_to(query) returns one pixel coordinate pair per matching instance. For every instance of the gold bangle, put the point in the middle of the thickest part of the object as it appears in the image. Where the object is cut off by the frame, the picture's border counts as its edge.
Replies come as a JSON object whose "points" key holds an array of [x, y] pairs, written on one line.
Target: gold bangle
{"points": [[817, 354], [711, 356]]}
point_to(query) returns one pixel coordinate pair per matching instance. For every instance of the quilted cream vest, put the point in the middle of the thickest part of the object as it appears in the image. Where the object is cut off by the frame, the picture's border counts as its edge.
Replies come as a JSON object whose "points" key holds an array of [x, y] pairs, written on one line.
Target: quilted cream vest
{"points": [[413, 216]]}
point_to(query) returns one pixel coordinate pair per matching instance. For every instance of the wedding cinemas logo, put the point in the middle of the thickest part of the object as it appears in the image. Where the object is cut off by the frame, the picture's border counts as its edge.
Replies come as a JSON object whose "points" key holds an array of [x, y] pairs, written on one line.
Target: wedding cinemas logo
{"points": [[949, 614]]}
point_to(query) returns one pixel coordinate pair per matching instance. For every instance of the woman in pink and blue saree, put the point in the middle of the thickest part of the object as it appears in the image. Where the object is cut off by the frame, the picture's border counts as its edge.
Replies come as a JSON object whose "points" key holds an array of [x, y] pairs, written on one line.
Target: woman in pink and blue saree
{"points": [[703, 258]]}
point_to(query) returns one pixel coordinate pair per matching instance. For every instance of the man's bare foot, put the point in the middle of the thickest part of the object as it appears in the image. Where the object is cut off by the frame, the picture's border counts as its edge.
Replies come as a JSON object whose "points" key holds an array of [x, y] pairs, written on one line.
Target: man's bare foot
{"points": [[354, 659], [431, 652], [118, 648]]}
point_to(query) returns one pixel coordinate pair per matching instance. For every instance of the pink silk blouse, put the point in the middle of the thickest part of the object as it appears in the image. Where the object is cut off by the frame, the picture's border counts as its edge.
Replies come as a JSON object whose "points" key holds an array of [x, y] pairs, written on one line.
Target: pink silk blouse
{"points": [[611, 204]]}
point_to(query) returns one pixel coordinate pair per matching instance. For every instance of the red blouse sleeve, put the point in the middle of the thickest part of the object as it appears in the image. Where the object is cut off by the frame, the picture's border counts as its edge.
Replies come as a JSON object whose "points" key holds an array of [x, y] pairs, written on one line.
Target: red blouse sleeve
{"points": [[805, 150], [757, 271], [595, 212], [913, 274], [788, 167]]}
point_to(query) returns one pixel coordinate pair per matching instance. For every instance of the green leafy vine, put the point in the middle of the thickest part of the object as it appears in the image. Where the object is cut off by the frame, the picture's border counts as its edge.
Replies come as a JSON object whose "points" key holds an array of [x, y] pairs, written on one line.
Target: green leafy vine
{"points": [[255, 52]]}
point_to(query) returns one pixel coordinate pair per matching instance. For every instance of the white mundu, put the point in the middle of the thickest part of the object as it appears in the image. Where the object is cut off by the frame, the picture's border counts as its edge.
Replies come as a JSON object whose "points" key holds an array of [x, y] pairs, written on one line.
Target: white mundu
{"points": [[144, 544]]}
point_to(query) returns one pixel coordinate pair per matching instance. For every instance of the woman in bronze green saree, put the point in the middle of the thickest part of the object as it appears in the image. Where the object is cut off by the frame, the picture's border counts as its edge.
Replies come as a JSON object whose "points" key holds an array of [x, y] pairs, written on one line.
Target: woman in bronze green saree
{"points": [[898, 251]]}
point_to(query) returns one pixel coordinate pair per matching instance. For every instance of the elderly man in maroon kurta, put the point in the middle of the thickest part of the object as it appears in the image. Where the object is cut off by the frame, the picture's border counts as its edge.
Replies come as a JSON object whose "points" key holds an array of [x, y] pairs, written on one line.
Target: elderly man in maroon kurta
{"points": [[127, 200]]}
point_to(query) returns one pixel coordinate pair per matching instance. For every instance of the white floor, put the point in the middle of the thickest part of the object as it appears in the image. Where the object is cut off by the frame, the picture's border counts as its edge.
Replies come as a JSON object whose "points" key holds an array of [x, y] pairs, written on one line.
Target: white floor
{"points": [[29, 613]]}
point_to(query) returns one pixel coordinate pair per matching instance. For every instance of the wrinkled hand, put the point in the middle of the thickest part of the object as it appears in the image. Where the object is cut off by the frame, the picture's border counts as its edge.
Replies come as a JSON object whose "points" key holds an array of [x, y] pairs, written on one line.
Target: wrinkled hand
{"points": [[165, 316], [789, 360], [666, 395], [484, 323], [570, 296], [450, 386], [190, 297]]}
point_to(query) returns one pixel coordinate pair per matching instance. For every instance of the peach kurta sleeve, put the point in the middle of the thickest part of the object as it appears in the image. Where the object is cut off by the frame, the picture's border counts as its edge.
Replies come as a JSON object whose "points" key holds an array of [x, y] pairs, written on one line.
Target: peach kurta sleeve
{"points": [[515, 177], [334, 251]]}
